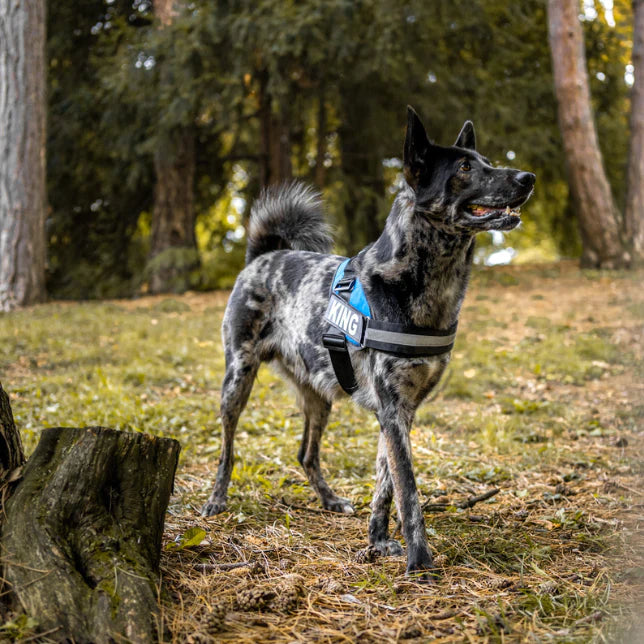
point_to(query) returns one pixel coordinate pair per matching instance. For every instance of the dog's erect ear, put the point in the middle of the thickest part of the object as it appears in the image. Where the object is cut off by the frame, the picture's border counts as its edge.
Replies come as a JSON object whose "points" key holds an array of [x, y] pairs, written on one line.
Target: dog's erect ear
{"points": [[466, 139], [416, 148]]}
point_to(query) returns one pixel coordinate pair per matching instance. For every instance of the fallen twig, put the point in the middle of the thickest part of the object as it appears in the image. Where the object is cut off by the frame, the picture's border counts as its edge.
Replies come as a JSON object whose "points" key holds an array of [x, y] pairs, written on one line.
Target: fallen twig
{"points": [[31, 638], [207, 567], [306, 508], [463, 505]]}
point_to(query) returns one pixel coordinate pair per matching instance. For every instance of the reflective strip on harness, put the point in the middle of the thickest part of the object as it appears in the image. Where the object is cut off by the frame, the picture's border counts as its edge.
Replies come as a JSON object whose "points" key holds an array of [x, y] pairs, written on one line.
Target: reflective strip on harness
{"points": [[408, 341]]}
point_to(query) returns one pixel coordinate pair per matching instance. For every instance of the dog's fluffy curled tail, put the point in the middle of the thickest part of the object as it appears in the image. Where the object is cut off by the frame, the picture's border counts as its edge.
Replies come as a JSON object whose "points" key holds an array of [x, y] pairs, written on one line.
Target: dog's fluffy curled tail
{"points": [[287, 217]]}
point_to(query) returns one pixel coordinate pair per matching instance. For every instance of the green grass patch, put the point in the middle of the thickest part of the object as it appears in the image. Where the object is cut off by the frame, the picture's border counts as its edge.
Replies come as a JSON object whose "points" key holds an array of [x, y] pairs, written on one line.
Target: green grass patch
{"points": [[543, 406]]}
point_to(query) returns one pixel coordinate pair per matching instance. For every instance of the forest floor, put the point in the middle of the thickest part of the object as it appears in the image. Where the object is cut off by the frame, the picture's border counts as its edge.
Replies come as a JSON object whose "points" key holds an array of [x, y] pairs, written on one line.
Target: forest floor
{"points": [[543, 400]]}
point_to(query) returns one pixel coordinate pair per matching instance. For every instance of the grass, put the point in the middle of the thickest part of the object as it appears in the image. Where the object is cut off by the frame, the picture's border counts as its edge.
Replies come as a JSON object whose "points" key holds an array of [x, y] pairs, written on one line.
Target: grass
{"points": [[543, 399]]}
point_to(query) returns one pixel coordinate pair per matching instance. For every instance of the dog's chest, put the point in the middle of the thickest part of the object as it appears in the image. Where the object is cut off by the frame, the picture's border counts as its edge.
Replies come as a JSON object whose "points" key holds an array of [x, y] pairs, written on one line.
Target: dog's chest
{"points": [[415, 379], [406, 380]]}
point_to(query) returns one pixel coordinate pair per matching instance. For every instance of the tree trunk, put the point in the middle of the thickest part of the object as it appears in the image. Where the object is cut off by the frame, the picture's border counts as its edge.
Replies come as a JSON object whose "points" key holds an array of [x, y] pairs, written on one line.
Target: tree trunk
{"points": [[321, 147], [596, 210], [173, 247], [634, 211], [12, 455], [173, 257], [362, 172], [165, 10], [82, 533], [22, 153], [275, 166]]}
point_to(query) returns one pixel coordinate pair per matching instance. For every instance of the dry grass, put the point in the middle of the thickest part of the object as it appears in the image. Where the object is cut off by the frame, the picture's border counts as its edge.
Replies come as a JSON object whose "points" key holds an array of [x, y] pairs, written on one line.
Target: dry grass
{"points": [[544, 402], [557, 556]]}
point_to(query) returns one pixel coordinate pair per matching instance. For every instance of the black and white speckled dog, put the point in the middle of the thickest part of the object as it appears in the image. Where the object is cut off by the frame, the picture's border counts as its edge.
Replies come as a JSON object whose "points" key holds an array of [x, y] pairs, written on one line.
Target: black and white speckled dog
{"points": [[416, 273]]}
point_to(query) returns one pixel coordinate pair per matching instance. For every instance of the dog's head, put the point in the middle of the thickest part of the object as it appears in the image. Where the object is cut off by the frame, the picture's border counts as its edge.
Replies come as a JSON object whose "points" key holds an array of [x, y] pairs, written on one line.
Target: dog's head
{"points": [[457, 188]]}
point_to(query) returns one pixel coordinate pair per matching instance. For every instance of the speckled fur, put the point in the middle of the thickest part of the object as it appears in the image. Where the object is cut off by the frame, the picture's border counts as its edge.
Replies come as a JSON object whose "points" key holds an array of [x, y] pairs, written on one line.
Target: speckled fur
{"points": [[415, 273]]}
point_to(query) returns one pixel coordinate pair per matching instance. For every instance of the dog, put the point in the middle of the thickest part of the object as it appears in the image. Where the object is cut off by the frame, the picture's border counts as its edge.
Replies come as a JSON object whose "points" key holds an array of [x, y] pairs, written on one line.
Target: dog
{"points": [[414, 276]]}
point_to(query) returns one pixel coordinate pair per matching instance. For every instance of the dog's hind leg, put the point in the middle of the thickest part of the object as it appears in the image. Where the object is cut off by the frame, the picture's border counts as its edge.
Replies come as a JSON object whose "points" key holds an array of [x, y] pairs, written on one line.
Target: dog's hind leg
{"points": [[381, 506], [238, 382], [316, 415]]}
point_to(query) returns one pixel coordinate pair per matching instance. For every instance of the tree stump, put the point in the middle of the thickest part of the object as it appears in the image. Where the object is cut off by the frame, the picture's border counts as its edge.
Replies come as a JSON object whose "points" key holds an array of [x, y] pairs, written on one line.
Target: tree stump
{"points": [[11, 453], [82, 532]]}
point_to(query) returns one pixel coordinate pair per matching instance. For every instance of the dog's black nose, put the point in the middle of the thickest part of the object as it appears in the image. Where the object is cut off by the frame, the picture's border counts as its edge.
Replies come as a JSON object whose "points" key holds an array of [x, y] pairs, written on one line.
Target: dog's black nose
{"points": [[526, 179]]}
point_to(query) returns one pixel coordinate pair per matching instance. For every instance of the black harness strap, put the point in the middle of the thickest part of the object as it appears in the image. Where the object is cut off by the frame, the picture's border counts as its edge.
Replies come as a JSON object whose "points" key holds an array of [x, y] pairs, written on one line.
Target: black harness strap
{"points": [[341, 360]]}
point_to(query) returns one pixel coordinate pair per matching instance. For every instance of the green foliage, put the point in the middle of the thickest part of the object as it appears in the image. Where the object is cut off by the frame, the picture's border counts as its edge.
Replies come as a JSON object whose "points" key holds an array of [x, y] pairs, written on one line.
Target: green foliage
{"points": [[98, 181], [179, 265], [339, 74], [190, 538], [18, 628]]}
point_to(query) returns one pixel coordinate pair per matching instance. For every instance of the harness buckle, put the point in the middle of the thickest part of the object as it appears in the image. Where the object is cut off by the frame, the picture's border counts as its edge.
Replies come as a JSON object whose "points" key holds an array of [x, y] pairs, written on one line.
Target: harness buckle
{"points": [[334, 342], [345, 284]]}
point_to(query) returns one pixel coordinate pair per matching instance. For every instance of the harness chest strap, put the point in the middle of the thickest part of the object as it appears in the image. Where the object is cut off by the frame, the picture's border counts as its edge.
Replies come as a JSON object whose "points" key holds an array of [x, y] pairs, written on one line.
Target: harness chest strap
{"points": [[350, 321]]}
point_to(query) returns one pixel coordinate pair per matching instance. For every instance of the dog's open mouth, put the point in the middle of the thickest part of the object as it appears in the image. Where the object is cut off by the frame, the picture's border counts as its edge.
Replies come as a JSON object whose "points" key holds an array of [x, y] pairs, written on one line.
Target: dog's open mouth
{"points": [[482, 211]]}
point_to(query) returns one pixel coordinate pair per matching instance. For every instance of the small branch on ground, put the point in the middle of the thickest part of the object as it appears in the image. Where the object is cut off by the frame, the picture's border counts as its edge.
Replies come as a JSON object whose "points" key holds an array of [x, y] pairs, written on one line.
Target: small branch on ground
{"points": [[208, 567], [306, 508], [463, 505], [470, 502]]}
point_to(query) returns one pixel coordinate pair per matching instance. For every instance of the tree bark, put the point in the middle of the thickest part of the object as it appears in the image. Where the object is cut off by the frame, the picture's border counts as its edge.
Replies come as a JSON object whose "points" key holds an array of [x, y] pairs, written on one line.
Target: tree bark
{"points": [[634, 211], [173, 257], [12, 455], [173, 247], [82, 534], [598, 216], [22, 153], [321, 147], [362, 172], [165, 10], [275, 166]]}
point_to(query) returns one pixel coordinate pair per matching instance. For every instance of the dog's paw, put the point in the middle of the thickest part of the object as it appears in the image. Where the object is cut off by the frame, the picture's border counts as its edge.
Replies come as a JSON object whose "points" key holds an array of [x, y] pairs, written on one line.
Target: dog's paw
{"points": [[339, 505], [423, 571], [423, 576], [389, 548], [211, 508], [386, 548]]}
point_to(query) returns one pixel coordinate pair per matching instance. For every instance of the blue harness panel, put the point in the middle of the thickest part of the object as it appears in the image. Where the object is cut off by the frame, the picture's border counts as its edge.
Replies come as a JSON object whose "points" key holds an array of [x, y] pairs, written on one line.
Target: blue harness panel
{"points": [[358, 300]]}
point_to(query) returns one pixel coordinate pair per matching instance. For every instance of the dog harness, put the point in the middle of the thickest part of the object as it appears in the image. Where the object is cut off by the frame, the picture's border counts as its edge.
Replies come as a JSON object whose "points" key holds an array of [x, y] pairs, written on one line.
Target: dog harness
{"points": [[350, 320]]}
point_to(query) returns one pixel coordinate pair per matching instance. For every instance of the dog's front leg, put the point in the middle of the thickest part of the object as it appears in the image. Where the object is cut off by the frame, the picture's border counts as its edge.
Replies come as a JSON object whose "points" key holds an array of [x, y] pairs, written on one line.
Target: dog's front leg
{"points": [[381, 506], [395, 426]]}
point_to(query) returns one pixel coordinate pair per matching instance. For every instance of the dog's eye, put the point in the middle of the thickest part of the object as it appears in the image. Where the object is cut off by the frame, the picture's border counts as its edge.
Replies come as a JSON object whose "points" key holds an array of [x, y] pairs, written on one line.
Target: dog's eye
{"points": [[465, 166]]}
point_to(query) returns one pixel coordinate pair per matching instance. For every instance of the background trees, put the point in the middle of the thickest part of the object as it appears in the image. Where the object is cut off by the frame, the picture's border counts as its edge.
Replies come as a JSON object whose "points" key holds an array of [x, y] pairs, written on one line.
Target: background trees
{"points": [[160, 138], [634, 211], [22, 153], [591, 192]]}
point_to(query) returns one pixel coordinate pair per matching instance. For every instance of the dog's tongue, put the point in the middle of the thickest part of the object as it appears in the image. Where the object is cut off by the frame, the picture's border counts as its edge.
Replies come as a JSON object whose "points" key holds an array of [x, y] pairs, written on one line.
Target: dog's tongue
{"points": [[479, 211]]}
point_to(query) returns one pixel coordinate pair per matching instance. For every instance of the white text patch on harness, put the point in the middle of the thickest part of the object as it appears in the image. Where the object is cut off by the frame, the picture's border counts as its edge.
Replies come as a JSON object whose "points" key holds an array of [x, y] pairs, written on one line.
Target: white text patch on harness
{"points": [[344, 317]]}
